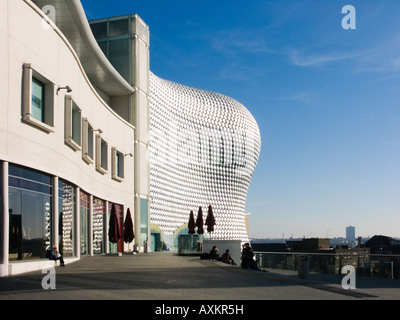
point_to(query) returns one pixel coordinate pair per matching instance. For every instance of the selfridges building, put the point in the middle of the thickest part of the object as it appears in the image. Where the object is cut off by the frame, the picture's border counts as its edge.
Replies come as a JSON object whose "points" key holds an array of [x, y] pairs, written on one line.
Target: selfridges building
{"points": [[201, 147], [204, 148]]}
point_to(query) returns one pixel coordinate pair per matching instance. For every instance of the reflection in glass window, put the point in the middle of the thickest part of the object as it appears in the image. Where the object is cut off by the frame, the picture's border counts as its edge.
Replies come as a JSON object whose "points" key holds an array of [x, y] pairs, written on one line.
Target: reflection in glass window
{"points": [[144, 225], [99, 208], [37, 100], [30, 210], [118, 159], [104, 155], [66, 206], [90, 142], [28, 175], [119, 56], [120, 165], [119, 28], [73, 124], [99, 30], [83, 221], [76, 124], [101, 155], [87, 141]]}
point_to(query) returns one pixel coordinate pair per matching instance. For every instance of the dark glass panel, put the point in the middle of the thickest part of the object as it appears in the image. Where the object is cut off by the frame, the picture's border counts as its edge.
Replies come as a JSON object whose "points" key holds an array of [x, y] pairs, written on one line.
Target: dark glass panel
{"points": [[119, 28], [99, 30]]}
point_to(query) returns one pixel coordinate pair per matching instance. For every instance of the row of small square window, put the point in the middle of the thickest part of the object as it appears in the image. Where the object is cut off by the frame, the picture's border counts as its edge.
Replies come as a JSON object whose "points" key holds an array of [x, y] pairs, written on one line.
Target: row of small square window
{"points": [[38, 110]]}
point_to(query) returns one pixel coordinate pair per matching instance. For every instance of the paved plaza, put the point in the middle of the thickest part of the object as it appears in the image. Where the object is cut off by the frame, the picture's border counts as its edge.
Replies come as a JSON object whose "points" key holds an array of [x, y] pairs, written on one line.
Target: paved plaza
{"points": [[167, 276]]}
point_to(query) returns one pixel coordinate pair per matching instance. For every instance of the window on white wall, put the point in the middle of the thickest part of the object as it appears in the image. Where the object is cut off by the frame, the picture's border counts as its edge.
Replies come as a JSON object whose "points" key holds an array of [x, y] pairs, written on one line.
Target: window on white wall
{"points": [[38, 99], [38, 94], [87, 141], [101, 155], [118, 159], [73, 124]]}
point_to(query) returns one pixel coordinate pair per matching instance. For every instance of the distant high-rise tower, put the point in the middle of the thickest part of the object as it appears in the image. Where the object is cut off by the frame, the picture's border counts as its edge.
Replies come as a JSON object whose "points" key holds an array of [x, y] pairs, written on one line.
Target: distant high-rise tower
{"points": [[350, 233]]}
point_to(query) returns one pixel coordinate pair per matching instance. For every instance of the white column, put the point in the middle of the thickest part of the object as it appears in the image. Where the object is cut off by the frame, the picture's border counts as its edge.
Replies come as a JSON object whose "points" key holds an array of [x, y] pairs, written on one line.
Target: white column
{"points": [[55, 221], [90, 226], [4, 220], [78, 223], [140, 119], [105, 228]]}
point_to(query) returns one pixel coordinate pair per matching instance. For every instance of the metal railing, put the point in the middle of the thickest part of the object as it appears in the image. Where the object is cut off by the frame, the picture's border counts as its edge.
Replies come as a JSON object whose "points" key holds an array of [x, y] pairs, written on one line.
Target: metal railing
{"points": [[365, 264]]}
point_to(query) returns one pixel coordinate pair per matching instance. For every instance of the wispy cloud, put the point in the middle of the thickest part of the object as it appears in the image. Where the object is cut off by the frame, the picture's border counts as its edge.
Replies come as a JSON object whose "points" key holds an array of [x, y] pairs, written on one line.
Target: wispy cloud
{"points": [[233, 49], [310, 60], [396, 63], [382, 56], [303, 97], [246, 41]]}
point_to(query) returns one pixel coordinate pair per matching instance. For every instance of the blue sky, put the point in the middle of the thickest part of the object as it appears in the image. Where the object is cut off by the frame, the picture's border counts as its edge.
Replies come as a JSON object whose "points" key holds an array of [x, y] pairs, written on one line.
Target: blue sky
{"points": [[326, 99]]}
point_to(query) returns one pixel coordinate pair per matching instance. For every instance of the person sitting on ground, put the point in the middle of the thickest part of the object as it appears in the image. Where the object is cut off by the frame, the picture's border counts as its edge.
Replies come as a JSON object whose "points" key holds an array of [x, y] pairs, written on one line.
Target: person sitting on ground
{"points": [[56, 256], [226, 258], [213, 253]]}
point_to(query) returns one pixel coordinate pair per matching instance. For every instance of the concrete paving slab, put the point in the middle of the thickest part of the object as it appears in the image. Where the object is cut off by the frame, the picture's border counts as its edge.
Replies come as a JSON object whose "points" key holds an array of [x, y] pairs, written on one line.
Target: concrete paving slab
{"points": [[166, 276]]}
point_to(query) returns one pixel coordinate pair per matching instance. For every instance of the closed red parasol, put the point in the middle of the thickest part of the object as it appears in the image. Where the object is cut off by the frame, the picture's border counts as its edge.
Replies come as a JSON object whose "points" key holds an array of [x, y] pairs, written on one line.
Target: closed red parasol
{"points": [[191, 223], [129, 234], [210, 220], [113, 231], [199, 221]]}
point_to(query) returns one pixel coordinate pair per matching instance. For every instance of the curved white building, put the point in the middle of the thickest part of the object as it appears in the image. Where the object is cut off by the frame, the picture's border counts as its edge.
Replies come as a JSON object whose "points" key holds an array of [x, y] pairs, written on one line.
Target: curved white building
{"points": [[197, 147], [63, 163], [204, 148], [86, 127]]}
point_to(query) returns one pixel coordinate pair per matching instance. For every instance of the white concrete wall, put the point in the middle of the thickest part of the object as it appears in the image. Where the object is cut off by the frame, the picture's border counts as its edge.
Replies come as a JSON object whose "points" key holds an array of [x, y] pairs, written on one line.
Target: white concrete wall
{"points": [[234, 246], [25, 40]]}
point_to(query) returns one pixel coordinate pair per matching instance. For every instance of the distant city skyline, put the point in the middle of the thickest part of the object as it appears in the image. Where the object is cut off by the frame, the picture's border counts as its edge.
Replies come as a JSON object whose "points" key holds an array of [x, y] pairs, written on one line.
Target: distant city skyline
{"points": [[326, 99]]}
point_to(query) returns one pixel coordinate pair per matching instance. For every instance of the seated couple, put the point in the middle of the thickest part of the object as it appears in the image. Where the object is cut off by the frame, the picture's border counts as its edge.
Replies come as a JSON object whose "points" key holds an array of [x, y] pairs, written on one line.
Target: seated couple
{"points": [[225, 257]]}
